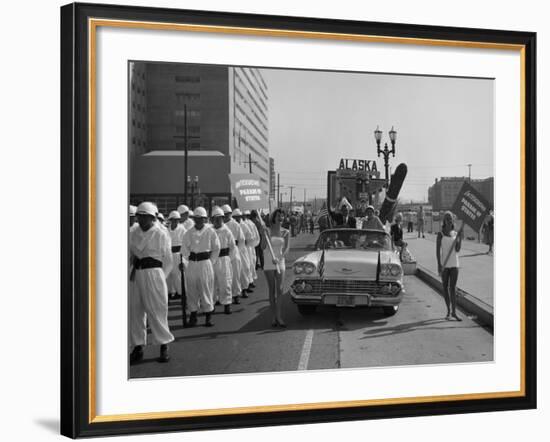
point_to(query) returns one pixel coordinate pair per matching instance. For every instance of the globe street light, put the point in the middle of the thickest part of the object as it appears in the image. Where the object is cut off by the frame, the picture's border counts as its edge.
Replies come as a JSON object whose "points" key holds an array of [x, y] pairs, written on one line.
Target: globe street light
{"points": [[386, 152]]}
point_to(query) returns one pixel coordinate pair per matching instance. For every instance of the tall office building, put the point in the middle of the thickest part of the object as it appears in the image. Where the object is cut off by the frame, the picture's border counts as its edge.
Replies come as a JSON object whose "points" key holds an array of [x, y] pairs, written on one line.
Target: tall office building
{"points": [[137, 123], [219, 112], [442, 194]]}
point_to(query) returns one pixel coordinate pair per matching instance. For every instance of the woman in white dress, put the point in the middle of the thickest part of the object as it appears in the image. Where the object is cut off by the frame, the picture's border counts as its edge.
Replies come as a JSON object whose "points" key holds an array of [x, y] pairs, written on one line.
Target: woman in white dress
{"points": [[274, 264]]}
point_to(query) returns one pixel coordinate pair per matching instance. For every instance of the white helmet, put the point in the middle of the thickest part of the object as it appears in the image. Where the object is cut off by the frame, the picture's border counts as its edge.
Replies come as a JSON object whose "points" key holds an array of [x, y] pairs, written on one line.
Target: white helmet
{"points": [[160, 216], [190, 213], [226, 208], [174, 214], [237, 212], [147, 208], [246, 212], [217, 211], [200, 212], [133, 210], [183, 209]]}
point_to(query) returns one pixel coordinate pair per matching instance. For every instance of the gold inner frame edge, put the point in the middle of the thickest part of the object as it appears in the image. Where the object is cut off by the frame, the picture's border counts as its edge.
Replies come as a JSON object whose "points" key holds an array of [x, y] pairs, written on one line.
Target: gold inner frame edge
{"points": [[93, 24]]}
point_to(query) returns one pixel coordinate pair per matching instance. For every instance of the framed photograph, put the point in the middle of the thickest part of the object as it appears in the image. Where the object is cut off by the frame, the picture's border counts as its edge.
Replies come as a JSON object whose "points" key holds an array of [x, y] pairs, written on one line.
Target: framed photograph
{"points": [[273, 220]]}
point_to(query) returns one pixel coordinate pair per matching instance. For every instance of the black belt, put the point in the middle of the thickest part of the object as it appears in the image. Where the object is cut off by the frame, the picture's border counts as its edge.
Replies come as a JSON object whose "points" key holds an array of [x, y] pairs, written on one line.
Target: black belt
{"points": [[146, 263], [199, 256], [224, 252], [176, 249]]}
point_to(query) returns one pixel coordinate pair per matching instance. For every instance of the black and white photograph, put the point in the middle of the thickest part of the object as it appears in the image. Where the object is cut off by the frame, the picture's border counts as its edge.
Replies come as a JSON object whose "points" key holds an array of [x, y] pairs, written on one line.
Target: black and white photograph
{"points": [[284, 220]]}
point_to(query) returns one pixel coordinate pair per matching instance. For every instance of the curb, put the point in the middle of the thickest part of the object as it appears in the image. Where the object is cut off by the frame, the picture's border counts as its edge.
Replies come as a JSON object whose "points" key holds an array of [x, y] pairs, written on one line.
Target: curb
{"points": [[482, 312]]}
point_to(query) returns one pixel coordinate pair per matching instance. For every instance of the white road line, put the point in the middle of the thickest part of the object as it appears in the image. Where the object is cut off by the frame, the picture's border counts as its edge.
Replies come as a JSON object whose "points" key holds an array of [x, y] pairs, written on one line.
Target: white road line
{"points": [[306, 351]]}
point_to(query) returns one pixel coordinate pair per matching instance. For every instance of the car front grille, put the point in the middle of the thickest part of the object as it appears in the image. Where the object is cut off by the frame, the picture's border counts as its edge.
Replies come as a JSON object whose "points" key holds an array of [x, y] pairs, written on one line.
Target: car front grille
{"points": [[340, 286]]}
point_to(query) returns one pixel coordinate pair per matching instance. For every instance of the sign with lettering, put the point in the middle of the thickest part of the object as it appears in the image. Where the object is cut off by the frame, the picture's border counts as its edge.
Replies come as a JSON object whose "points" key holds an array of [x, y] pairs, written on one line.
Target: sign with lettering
{"points": [[358, 165], [471, 207], [247, 189]]}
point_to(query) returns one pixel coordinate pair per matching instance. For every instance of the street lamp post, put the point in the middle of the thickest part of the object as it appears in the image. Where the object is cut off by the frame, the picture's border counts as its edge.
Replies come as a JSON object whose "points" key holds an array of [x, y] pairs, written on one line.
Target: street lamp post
{"points": [[386, 152]]}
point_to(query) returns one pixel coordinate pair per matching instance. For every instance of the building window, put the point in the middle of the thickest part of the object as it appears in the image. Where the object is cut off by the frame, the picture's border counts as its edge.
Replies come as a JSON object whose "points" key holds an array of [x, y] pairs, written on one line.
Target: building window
{"points": [[190, 113], [186, 97], [190, 129], [187, 79]]}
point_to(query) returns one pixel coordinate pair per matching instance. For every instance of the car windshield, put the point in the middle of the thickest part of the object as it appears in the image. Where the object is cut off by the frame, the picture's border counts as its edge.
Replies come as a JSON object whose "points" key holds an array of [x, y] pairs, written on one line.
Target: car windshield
{"points": [[354, 239]]}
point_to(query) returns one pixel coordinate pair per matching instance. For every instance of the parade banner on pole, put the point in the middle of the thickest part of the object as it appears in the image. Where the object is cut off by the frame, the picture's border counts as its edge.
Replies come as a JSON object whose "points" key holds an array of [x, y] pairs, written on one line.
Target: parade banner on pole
{"points": [[247, 190], [471, 207]]}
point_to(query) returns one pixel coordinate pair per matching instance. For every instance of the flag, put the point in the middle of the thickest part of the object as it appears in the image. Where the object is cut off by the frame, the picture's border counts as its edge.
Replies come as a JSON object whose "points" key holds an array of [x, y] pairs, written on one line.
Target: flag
{"points": [[324, 212], [322, 263]]}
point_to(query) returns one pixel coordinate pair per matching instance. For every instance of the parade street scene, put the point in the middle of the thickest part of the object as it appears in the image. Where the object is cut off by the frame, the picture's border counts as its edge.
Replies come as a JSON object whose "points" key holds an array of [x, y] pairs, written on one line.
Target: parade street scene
{"points": [[284, 220]]}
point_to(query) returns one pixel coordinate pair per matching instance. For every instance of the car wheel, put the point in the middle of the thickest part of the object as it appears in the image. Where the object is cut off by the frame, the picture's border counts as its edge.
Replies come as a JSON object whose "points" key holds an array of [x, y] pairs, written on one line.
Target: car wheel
{"points": [[390, 311], [307, 309]]}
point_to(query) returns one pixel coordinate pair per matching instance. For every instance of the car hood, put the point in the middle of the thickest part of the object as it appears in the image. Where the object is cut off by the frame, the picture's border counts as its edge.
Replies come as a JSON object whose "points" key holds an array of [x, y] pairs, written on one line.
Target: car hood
{"points": [[350, 264]]}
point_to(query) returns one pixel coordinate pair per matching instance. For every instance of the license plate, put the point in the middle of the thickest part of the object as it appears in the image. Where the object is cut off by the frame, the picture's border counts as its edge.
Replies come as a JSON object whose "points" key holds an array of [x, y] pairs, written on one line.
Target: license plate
{"points": [[345, 301]]}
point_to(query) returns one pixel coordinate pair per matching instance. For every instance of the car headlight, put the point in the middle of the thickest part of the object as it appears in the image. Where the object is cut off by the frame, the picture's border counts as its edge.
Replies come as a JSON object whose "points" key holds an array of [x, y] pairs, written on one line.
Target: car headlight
{"points": [[395, 270], [390, 270], [304, 267]]}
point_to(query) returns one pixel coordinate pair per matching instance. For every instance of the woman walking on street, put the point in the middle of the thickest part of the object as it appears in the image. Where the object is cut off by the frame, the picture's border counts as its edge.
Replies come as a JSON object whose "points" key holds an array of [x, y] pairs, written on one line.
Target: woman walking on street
{"points": [[274, 264], [447, 247]]}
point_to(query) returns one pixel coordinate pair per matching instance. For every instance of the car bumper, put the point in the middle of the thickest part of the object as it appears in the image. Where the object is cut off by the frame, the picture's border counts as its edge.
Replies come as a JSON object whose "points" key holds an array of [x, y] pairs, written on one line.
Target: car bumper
{"points": [[343, 299]]}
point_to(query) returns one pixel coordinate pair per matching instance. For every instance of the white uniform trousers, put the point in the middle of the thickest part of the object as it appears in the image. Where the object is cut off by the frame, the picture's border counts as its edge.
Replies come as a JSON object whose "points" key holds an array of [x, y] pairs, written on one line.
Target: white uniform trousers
{"points": [[149, 303], [223, 279], [236, 264], [174, 278], [252, 254], [246, 279], [200, 286]]}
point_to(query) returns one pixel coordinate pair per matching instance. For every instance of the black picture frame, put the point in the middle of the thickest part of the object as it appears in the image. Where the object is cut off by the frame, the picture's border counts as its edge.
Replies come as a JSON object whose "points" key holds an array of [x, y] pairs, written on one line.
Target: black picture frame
{"points": [[76, 417]]}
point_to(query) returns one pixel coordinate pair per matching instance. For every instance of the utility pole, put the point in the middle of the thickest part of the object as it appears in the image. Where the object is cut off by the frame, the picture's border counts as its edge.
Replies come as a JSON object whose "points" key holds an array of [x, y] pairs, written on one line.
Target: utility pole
{"points": [[185, 138], [250, 162], [278, 190], [304, 200], [291, 188], [469, 172]]}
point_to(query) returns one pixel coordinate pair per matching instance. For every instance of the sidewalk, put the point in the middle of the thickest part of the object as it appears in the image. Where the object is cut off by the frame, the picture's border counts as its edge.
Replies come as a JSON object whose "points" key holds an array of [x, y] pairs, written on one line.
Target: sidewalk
{"points": [[476, 267]]}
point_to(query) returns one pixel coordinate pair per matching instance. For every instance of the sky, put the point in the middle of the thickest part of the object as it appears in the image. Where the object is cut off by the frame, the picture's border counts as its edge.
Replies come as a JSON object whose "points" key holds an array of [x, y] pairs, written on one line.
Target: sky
{"points": [[315, 118]]}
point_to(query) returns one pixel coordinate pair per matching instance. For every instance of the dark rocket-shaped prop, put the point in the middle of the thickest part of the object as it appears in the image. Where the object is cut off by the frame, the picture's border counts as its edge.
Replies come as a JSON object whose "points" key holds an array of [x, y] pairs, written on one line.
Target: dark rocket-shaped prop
{"points": [[390, 202]]}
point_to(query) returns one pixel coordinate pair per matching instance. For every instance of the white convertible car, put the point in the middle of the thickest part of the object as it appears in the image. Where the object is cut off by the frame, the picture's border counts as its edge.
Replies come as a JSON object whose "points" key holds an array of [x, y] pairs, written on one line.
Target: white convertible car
{"points": [[349, 268]]}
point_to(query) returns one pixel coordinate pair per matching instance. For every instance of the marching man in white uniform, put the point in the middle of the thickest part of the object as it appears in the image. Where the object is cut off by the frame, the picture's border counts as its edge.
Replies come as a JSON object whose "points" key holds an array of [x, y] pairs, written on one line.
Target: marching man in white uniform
{"points": [[236, 260], [201, 247], [223, 270], [246, 272], [133, 210], [151, 263], [185, 216], [176, 232]]}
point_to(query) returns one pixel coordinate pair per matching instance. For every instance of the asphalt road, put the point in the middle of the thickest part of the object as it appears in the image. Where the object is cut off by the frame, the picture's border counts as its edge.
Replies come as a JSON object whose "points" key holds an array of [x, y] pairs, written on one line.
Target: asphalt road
{"points": [[245, 342]]}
